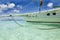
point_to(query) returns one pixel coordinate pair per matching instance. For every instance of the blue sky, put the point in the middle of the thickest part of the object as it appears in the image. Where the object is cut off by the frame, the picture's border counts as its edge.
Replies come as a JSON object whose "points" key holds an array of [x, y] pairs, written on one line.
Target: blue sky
{"points": [[24, 6]]}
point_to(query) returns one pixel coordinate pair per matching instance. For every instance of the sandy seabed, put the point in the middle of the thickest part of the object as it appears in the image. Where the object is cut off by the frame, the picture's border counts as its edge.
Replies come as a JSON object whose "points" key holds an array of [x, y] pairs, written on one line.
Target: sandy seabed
{"points": [[9, 30]]}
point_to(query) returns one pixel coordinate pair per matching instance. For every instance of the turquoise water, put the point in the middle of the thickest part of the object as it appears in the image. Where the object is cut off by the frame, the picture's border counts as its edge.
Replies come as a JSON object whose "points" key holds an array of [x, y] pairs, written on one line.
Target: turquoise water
{"points": [[9, 30]]}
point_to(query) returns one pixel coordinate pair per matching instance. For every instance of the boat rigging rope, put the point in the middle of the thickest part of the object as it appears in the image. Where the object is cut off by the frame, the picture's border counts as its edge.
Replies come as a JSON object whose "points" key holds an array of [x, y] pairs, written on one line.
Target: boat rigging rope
{"points": [[15, 21], [37, 28]]}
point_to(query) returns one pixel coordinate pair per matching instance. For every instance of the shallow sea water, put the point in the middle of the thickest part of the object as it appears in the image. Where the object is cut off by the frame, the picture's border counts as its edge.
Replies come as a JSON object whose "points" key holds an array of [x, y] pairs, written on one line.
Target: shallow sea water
{"points": [[9, 30]]}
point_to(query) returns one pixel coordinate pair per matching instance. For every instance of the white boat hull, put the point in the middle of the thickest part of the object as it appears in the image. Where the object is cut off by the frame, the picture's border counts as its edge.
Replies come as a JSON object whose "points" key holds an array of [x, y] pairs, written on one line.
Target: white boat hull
{"points": [[45, 16], [51, 20]]}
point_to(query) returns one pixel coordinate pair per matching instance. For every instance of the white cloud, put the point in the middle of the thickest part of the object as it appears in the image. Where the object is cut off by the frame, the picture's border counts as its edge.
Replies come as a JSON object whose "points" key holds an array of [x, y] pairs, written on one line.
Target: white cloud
{"points": [[11, 5], [5, 6], [16, 10], [50, 5]]}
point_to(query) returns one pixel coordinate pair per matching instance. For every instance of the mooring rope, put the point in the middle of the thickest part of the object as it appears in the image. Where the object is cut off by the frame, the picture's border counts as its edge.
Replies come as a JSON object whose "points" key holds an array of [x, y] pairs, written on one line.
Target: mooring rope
{"points": [[15, 21]]}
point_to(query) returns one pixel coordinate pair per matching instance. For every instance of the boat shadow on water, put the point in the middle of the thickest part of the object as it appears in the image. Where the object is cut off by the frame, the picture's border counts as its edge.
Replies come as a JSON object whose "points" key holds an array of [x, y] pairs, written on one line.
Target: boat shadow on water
{"points": [[45, 25]]}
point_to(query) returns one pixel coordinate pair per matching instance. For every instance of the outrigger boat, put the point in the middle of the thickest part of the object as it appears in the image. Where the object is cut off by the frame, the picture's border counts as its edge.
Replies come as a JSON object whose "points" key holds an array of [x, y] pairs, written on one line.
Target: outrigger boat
{"points": [[50, 16]]}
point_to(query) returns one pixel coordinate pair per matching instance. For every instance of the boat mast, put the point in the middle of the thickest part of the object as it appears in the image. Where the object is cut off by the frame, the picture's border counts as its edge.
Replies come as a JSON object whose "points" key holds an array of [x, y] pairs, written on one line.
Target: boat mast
{"points": [[41, 2]]}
